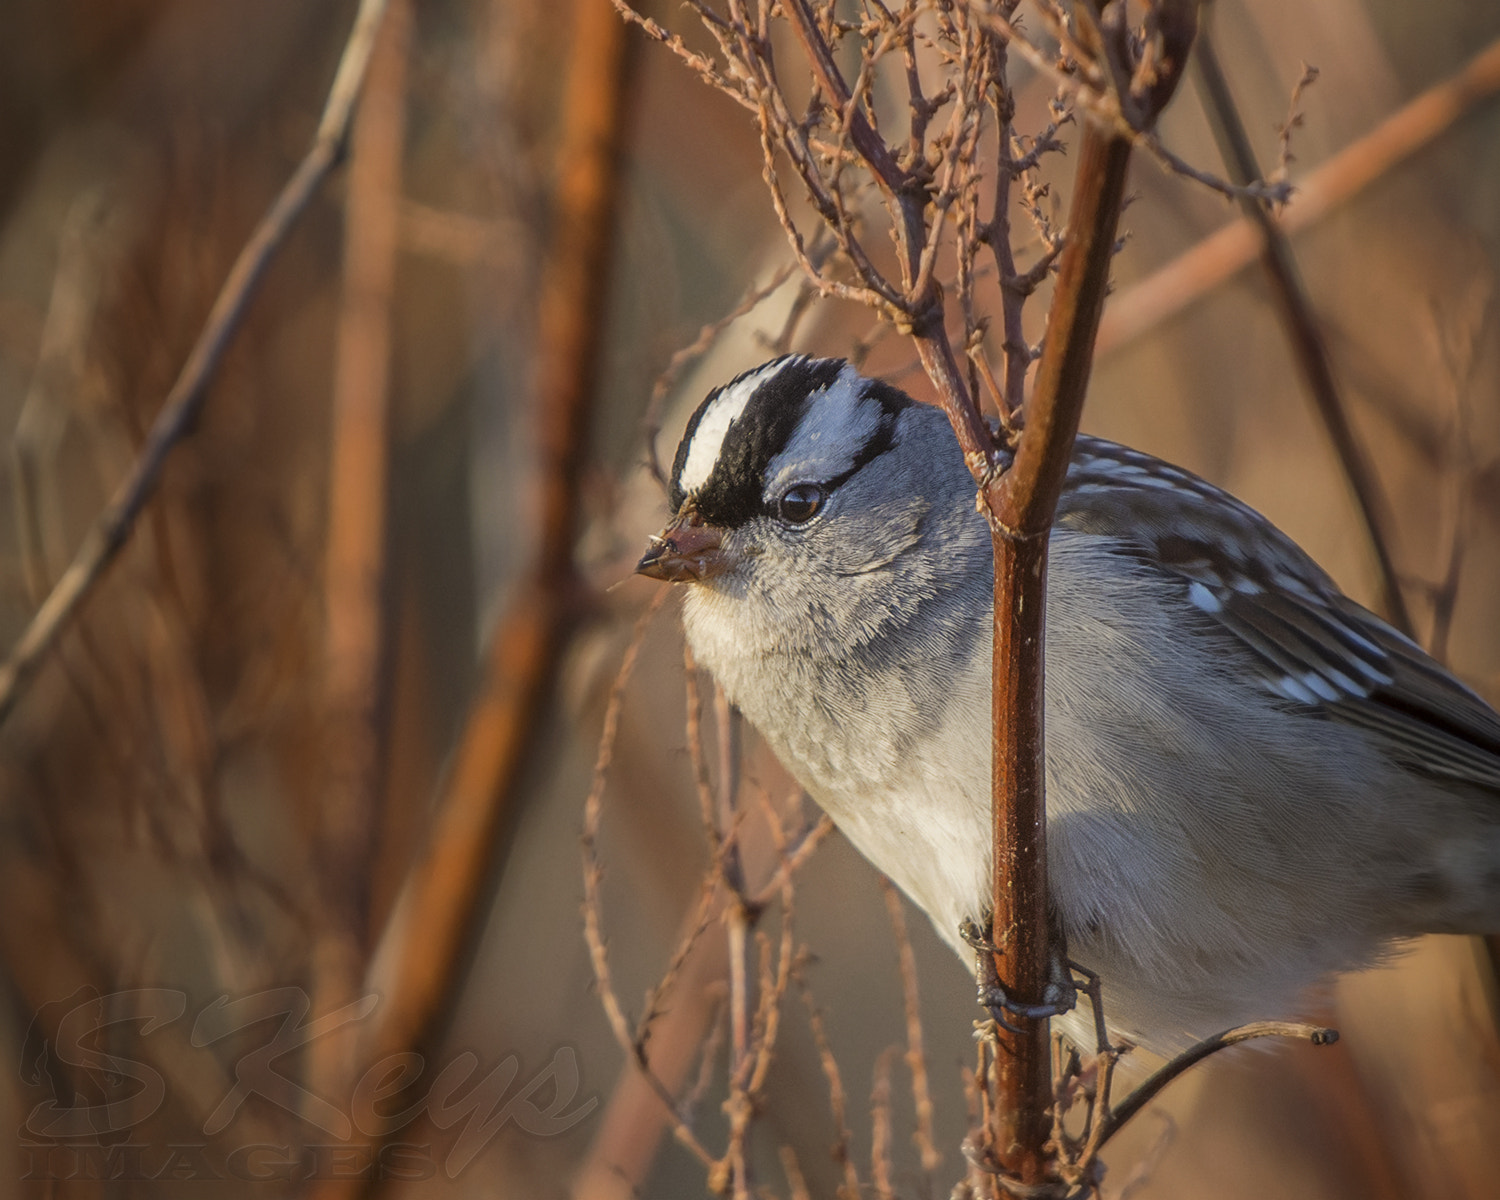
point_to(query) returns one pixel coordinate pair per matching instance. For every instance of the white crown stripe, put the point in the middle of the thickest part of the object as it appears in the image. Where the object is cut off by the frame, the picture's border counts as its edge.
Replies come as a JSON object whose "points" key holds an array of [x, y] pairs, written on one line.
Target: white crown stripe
{"points": [[708, 438]]}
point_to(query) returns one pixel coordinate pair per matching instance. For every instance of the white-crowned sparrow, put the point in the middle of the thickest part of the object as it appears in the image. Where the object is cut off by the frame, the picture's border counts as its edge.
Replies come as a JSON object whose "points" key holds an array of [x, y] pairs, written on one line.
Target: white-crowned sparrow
{"points": [[1252, 782]]}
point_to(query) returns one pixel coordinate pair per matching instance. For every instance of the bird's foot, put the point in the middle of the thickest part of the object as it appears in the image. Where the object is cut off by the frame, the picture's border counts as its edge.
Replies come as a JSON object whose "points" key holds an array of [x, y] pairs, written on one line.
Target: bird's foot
{"points": [[1058, 997]]}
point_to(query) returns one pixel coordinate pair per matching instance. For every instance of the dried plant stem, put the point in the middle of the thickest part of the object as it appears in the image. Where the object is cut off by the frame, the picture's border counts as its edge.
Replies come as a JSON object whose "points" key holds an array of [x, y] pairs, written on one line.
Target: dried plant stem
{"points": [[1016, 350], [632, 1038], [1148, 1091], [1223, 254], [837, 1103], [1302, 329], [644, 1099], [356, 631], [420, 949], [916, 1054], [184, 402]]}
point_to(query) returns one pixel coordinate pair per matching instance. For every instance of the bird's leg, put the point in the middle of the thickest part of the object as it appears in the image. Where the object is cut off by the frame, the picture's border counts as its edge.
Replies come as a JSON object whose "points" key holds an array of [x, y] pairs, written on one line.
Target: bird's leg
{"points": [[1058, 997]]}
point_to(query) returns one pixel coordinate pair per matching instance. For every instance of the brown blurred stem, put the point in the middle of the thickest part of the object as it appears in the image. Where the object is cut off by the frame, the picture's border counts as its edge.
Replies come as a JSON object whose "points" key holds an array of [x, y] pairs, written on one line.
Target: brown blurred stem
{"points": [[1301, 325], [180, 409], [419, 958], [356, 609]]}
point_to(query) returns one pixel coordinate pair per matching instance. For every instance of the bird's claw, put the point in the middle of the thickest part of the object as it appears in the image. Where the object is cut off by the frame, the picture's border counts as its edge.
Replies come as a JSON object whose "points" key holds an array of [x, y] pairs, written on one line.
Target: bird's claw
{"points": [[1058, 997]]}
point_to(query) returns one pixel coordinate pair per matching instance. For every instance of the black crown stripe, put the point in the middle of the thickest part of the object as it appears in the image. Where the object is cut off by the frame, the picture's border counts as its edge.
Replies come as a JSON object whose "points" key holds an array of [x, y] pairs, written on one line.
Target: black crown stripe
{"points": [[731, 495]]}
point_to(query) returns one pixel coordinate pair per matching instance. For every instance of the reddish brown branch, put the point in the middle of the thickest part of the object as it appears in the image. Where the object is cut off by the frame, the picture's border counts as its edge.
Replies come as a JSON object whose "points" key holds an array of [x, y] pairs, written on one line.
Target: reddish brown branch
{"points": [[1022, 502]]}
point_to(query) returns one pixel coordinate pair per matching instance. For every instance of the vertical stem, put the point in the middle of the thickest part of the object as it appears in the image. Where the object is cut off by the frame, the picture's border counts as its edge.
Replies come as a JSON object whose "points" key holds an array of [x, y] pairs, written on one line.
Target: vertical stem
{"points": [[355, 567], [355, 557], [1022, 503], [419, 956], [737, 933], [1020, 929]]}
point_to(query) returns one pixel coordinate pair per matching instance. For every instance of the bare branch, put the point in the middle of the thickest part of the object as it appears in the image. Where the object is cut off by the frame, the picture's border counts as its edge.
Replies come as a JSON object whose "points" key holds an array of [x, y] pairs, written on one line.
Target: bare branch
{"points": [[1300, 323], [916, 1055], [1021, 504], [180, 409], [1148, 1091], [1222, 255]]}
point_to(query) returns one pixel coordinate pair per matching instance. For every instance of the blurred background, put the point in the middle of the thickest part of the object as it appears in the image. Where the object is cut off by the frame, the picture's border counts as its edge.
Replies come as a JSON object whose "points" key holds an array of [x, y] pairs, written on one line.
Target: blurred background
{"points": [[386, 580]]}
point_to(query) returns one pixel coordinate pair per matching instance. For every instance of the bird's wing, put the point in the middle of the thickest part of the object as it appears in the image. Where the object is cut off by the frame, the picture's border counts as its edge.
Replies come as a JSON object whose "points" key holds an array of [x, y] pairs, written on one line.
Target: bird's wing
{"points": [[1309, 644]]}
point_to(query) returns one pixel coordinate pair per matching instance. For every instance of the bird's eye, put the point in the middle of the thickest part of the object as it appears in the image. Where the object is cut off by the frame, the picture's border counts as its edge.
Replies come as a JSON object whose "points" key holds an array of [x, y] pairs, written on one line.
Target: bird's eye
{"points": [[801, 503]]}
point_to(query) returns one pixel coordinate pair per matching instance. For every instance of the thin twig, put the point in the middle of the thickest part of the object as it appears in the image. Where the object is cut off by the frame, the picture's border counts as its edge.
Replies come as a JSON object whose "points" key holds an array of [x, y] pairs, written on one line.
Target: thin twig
{"points": [[916, 1054], [1223, 254], [180, 409], [1300, 323], [626, 1034], [1148, 1091], [850, 1189], [712, 832], [880, 1128], [795, 1181], [1107, 104], [793, 858], [667, 380]]}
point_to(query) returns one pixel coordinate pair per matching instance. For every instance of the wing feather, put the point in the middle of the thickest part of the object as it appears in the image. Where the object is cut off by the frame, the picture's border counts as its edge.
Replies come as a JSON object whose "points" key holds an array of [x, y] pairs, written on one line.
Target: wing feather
{"points": [[1309, 644]]}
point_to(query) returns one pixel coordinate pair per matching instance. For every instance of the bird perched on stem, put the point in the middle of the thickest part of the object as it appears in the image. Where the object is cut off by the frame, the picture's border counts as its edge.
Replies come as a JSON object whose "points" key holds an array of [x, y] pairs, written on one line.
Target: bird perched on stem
{"points": [[1252, 782]]}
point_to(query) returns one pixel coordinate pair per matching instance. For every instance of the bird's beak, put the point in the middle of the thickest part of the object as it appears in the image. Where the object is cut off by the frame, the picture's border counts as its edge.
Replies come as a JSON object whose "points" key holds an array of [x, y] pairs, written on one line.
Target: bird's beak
{"points": [[686, 551]]}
